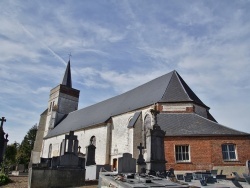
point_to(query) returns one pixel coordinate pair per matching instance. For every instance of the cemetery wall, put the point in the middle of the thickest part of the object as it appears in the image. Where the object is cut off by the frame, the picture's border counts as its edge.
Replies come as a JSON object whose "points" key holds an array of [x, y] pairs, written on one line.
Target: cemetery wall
{"points": [[39, 178], [206, 152]]}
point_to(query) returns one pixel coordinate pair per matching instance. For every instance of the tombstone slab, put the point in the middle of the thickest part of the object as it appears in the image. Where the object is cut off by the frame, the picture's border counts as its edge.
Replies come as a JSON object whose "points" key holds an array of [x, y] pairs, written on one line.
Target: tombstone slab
{"points": [[126, 164]]}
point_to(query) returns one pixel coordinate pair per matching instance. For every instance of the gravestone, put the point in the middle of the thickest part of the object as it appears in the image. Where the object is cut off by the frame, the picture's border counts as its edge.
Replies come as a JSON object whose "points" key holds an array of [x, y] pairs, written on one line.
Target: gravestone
{"points": [[157, 155], [70, 157], [3, 141], [90, 155], [67, 170], [126, 164], [141, 164], [247, 178], [188, 177], [248, 166], [180, 177]]}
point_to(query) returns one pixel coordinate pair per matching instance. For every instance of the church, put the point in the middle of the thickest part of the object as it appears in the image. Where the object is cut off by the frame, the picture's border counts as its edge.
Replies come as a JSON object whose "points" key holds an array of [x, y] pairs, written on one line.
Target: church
{"points": [[193, 139]]}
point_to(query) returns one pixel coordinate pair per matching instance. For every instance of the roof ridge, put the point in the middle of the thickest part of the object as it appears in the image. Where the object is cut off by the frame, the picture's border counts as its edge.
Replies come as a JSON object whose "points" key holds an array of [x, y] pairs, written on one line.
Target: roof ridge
{"points": [[190, 93]]}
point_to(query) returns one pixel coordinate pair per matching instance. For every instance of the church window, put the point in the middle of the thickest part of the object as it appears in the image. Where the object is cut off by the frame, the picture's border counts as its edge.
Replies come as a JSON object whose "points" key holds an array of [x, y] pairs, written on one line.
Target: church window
{"points": [[50, 151], [182, 153], [93, 141], [229, 152]]}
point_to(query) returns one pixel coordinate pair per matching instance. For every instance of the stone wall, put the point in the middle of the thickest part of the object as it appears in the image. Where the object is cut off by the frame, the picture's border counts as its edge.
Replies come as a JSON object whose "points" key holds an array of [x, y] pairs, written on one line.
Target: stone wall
{"points": [[83, 136], [206, 152], [40, 178]]}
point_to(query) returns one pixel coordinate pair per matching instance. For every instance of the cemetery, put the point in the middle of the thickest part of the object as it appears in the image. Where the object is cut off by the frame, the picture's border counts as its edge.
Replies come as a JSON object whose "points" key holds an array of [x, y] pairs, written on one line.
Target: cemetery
{"points": [[72, 169]]}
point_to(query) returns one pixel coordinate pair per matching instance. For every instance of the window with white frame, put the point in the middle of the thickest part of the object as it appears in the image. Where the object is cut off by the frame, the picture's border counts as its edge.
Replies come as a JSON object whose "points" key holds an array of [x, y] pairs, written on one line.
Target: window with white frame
{"points": [[229, 152], [182, 153]]}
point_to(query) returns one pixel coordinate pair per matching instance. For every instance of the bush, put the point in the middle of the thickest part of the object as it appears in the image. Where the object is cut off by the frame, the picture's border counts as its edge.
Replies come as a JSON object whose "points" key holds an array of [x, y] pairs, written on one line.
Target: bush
{"points": [[4, 179]]}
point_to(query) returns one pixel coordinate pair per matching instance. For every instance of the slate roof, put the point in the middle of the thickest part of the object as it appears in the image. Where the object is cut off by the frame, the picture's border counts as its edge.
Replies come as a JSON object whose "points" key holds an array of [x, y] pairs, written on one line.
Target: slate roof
{"points": [[191, 124], [167, 88], [67, 76]]}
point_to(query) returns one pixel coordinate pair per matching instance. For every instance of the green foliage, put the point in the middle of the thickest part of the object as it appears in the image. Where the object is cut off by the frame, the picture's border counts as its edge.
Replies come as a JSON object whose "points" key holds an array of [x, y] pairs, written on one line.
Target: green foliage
{"points": [[10, 154], [25, 148], [4, 179]]}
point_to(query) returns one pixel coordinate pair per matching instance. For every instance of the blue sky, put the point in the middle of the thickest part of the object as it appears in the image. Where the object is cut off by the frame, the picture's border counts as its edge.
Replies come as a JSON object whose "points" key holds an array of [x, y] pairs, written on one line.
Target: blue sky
{"points": [[118, 45]]}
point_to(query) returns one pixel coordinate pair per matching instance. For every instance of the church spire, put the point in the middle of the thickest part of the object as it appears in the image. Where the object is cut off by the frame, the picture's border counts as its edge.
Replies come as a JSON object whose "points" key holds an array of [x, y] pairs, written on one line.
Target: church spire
{"points": [[67, 76]]}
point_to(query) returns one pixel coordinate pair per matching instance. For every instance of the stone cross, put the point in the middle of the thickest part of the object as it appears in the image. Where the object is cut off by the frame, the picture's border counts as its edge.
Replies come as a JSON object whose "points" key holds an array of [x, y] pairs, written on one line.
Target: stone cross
{"points": [[79, 149], [2, 120], [72, 139], [140, 160], [140, 148]]}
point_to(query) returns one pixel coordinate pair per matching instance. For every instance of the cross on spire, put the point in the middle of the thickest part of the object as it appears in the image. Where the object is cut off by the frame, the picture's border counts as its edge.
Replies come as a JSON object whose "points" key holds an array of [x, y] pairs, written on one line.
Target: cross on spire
{"points": [[69, 55], [2, 120]]}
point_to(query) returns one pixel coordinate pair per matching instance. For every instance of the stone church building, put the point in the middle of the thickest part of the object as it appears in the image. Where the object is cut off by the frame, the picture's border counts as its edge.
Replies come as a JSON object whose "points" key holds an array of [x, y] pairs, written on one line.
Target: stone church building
{"points": [[194, 140]]}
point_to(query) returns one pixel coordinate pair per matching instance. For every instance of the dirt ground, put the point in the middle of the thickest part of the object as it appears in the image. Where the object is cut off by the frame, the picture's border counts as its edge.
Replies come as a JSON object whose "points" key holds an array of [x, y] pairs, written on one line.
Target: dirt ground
{"points": [[22, 182]]}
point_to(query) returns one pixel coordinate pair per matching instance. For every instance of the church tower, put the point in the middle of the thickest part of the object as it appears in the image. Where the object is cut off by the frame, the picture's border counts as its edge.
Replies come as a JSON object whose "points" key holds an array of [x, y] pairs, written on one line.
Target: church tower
{"points": [[63, 100]]}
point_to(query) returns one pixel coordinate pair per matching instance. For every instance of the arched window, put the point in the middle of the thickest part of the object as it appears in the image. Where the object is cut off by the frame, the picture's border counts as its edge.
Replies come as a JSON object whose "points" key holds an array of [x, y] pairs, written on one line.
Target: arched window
{"points": [[93, 141], [50, 151], [147, 126]]}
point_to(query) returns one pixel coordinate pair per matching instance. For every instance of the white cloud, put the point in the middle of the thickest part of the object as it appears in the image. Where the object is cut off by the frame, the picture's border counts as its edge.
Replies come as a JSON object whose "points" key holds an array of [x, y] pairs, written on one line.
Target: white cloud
{"points": [[118, 46]]}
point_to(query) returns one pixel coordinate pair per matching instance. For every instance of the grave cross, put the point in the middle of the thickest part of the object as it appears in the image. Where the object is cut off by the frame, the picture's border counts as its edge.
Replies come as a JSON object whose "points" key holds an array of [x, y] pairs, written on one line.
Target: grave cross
{"points": [[140, 148], [2, 120], [140, 160], [79, 149], [71, 138]]}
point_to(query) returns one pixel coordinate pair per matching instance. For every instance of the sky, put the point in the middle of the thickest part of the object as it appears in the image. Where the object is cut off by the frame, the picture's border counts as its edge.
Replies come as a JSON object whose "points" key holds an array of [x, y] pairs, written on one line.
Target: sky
{"points": [[119, 45]]}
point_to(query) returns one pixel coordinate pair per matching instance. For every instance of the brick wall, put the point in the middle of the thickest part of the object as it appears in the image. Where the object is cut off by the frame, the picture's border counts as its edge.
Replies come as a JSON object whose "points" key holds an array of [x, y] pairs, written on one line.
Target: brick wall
{"points": [[205, 152]]}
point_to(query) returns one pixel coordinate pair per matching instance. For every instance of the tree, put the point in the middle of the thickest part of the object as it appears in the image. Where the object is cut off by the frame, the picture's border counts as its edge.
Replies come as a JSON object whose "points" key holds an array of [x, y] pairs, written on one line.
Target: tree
{"points": [[10, 154], [24, 151]]}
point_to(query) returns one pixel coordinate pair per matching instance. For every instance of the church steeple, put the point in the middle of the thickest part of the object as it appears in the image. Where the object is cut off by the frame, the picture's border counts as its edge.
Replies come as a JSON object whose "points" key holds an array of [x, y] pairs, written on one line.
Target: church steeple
{"points": [[67, 77]]}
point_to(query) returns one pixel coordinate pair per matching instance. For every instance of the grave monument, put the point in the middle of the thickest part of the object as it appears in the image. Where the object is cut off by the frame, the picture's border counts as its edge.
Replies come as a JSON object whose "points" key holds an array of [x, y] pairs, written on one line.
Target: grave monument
{"points": [[93, 169], [155, 139], [3, 140], [67, 170], [141, 164]]}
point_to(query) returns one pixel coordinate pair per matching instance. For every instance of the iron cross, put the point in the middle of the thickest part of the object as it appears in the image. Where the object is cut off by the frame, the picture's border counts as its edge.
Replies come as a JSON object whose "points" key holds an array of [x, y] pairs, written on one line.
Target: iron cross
{"points": [[140, 148], [2, 120]]}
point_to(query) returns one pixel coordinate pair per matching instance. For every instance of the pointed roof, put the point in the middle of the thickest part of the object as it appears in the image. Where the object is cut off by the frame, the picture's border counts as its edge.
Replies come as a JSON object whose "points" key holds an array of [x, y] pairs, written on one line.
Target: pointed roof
{"points": [[178, 91], [167, 88], [67, 77]]}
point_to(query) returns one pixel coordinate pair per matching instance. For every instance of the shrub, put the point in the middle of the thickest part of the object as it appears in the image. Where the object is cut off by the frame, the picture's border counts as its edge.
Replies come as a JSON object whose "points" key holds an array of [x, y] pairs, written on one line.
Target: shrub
{"points": [[4, 179]]}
